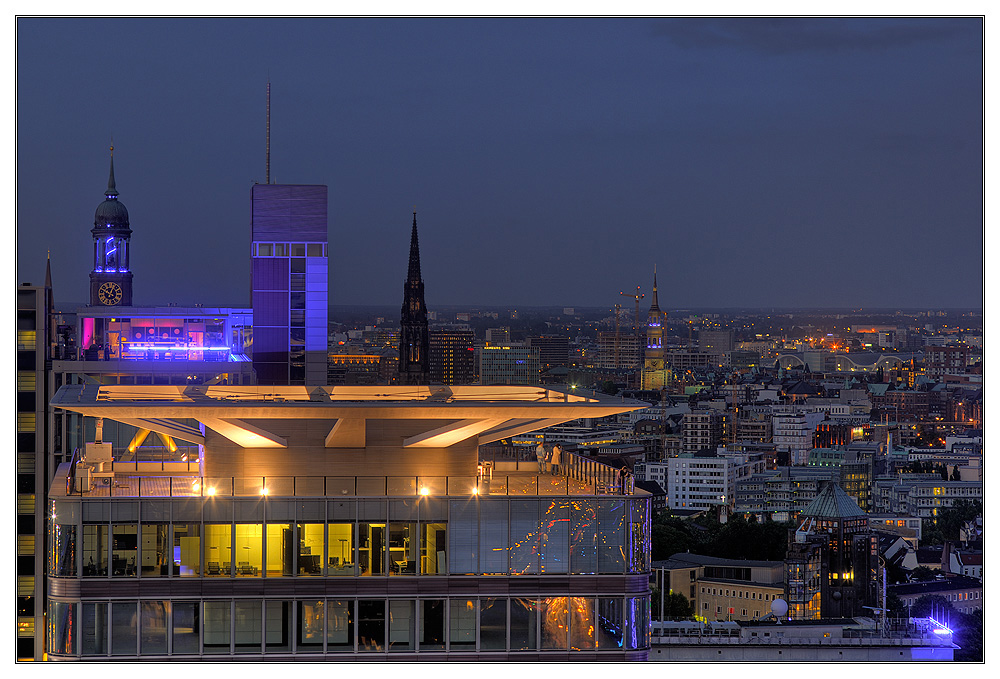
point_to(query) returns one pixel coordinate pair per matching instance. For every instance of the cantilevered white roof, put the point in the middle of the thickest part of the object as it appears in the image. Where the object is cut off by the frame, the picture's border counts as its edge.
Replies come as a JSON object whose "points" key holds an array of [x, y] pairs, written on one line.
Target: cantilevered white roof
{"points": [[489, 412]]}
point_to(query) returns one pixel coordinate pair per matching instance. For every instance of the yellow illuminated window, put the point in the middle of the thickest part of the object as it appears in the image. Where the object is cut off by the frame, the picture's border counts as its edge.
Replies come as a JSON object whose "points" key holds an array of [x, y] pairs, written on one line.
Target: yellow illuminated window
{"points": [[26, 340], [25, 380], [26, 422]]}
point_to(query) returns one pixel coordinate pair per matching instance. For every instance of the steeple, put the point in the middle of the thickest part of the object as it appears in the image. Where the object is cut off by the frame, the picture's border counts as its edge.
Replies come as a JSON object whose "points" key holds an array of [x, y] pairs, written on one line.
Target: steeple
{"points": [[413, 273], [654, 306], [112, 191], [414, 367]]}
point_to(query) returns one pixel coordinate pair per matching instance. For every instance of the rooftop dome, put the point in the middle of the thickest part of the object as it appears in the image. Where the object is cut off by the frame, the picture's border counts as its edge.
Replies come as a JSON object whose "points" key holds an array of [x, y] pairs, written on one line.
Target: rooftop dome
{"points": [[111, 212]]}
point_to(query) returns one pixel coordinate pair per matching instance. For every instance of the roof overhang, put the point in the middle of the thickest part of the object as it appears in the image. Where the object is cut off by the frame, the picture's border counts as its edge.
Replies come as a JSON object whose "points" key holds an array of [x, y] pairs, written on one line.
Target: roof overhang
{"points": [[487, 412]]}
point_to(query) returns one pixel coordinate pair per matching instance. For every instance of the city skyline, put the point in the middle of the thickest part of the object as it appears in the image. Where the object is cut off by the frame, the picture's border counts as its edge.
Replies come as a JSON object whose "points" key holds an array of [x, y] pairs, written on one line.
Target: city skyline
{"points": [[756, 162]]}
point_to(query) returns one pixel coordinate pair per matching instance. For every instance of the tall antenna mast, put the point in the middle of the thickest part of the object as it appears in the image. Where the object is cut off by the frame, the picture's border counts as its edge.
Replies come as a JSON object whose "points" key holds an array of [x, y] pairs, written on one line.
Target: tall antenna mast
{"points": [[267, 144]]}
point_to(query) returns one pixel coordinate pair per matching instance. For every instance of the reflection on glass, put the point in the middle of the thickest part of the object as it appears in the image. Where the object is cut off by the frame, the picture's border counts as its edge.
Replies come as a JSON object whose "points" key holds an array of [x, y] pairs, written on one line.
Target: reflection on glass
{"points": [[340, 549], [310, 631], [153, 627], [611, 536], [187, 549], [493, 538], [583, 536], [493, 624], [60, 628], [277, 626], [432, 625], [123, 628], [62, 554], [433, 547], [95, 550], [155, 558], [582, 632], [523, 624], [186, 626], [610, 614], [525, 537], [554, 537], [402, 629], [246, 624], [371, 625], [462, 624], [464, 534], [310, 558], [94, 629], [340, 625], [217, 620], [554, 616]]}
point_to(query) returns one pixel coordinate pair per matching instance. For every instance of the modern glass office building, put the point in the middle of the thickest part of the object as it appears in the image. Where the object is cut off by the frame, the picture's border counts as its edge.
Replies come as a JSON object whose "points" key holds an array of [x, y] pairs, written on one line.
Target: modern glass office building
{"points": [[341, 523]]}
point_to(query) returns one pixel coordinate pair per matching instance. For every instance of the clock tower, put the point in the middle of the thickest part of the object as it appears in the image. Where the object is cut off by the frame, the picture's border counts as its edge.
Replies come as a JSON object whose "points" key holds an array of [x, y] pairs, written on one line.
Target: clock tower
{"points": [[111, 278], [655, 373]]}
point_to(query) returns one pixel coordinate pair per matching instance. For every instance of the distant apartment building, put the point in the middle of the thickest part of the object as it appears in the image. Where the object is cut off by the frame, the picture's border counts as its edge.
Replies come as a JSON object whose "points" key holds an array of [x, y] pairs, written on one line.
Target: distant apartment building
{"points": [[715, 341], [703, 429], [793, 431], [780, 494], [723, 589], [553, 351], [939, 360], [708, 480], [509, 364], [451, 356], [682, 360], [617, 351], [498, 336]]}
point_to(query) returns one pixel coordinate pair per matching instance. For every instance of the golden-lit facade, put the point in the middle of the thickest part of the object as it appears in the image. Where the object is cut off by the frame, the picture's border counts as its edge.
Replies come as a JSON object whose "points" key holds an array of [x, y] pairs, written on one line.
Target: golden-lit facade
{"points": [[360, 525]]}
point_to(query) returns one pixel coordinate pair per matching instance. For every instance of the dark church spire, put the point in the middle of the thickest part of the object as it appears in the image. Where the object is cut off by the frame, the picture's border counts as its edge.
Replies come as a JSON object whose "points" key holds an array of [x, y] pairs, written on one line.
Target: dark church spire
{"points": [[413, 337], [112, 190], [655, 305]]}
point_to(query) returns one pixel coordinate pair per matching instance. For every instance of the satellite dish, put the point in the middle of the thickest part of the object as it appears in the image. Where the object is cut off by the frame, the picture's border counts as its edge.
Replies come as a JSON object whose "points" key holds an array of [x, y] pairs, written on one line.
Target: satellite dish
{"points": [[779, 607]]}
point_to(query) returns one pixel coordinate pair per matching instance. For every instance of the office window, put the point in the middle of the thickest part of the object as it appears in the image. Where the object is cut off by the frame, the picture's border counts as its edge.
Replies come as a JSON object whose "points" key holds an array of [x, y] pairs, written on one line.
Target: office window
{"points": [[582, 624], [431, 625], [94, 628], [277, 626], [218, 619], [61, 632], [187, 549], [339, 625], [402, 627], [124, 548], [280, 549], [340, 546], [186, 627], [155, 550], [371, 625], [310, 626], [609, 623], [523, 624], [554, 613], [433, 547], [124, 624], [95, 550], [153, 627], [218, 550], [493, 624], [462, 624]]}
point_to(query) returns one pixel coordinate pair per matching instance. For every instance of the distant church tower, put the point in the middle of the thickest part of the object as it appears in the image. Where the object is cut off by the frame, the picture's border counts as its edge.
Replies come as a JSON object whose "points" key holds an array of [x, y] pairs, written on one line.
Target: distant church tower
{"points": [[111, 278], [413, 339], [655, 373]]}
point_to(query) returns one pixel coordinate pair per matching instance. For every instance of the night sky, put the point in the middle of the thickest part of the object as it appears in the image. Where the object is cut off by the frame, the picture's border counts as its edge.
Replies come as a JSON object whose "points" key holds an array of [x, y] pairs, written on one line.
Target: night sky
{"points": [[754, 162]]}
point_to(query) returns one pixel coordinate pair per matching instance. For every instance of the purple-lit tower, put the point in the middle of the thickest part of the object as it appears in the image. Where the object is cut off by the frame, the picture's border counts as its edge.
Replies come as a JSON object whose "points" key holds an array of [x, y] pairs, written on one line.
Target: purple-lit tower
{"points": [[414, 367], [111, 278], [289, 283]]}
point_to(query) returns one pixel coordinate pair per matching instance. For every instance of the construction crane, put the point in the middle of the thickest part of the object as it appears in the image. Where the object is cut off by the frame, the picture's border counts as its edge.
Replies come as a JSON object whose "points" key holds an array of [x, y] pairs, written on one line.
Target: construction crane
{"points": [[618, 337], [638, 340]]}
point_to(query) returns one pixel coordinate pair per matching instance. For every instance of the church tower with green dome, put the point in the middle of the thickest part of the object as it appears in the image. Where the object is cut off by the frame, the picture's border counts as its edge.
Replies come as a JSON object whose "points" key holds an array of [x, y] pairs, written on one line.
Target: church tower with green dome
{"points": [[111, 277]]}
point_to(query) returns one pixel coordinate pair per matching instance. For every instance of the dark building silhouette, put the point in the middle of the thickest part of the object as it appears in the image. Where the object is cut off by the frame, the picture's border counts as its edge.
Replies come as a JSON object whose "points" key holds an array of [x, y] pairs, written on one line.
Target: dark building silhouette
{"points": [[414, 366], [111, 277], [452, 356]]}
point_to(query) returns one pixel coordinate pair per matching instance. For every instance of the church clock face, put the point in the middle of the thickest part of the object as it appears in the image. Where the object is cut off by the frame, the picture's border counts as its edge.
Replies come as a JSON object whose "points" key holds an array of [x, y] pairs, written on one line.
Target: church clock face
{"points": [[110, 293]]}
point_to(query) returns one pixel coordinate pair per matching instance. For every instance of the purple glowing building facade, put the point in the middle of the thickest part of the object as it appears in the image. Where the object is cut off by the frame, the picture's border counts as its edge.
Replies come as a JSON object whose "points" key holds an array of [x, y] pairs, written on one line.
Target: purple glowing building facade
{"points": [[288, 260]]}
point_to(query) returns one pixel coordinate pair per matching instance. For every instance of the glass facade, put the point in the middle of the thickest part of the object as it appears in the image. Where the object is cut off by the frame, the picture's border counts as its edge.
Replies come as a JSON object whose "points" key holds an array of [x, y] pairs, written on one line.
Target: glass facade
{"points": [[324, 540]]}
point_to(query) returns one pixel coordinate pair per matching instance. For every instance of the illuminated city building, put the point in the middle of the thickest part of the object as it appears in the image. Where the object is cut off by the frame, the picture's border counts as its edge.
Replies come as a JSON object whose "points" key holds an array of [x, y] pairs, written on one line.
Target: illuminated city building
{"points": [[832, 565], [340, 523], [451, 356], [414, 362], [655, 373], [288, 258], [111, 276], [509, 364]]}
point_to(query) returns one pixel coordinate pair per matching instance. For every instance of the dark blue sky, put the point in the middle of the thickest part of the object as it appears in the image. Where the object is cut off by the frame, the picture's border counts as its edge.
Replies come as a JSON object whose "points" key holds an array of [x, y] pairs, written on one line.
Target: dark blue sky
{"points": [[755, 162]]}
